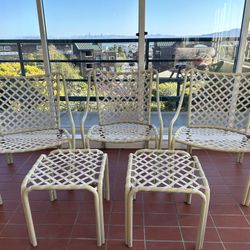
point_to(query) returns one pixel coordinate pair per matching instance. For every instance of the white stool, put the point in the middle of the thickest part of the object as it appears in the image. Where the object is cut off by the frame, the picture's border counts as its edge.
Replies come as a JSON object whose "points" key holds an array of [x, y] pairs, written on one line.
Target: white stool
{"points": [[165, 171], [67, 170]]}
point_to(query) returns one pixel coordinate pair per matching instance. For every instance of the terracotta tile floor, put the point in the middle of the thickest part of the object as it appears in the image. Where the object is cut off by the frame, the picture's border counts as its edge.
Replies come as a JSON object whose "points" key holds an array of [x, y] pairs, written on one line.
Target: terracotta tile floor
{"points": [[161, 221]]}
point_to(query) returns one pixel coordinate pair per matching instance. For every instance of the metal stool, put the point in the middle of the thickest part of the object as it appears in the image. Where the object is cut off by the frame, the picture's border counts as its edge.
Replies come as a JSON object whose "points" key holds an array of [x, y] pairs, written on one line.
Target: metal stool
{"points": [[165, 171], [68, 170]]}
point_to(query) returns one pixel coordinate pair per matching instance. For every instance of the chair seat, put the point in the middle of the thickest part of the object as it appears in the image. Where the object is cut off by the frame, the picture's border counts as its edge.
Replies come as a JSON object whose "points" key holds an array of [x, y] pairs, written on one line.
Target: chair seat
{"points": [[213, 139], [31, 141], [122, 132]]}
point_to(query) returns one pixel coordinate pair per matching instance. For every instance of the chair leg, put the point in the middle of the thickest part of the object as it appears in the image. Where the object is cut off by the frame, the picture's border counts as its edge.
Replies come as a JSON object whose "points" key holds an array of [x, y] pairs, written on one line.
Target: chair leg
{"points": [[87, 143], [240, 157], [106, 182], [189, 198], [98, 219], [28, 217], [52, 195], [202, 223], [1, 200], [9, 158], [246, 195], [189, 149], [130, 219]]}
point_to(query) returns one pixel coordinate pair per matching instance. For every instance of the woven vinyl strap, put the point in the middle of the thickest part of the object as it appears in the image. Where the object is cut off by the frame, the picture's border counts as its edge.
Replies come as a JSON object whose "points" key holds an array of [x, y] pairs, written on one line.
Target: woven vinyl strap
{"points": [[214, 139], [27, 104], [124, 132], [123, 97], [154, 169], [220, 100], [30, 141], [67, 168]]}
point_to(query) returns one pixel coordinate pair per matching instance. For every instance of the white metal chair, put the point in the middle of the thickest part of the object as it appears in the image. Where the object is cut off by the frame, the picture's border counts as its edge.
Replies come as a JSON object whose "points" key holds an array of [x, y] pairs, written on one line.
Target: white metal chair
{"points": [[30, 114], [124, 108], [218, 112]]}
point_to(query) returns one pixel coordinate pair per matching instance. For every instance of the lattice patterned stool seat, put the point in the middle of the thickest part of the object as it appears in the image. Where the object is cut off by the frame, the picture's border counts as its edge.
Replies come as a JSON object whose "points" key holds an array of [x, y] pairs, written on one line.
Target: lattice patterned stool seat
{"points": [[123, 132], [165, 171], [68, 170]]}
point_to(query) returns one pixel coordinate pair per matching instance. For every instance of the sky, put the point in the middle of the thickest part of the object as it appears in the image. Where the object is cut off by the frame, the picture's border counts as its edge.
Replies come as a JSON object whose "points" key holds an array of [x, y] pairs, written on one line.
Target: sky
{"points": [[75, 18]]}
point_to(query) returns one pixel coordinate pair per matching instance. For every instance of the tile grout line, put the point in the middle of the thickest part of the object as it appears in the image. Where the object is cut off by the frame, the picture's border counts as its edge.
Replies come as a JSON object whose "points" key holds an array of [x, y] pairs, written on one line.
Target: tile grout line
{"points": [[217, 231]]}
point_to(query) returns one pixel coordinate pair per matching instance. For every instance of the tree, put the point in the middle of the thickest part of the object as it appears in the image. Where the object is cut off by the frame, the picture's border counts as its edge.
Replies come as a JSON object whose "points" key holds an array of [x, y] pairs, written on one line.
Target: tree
{"points": [[14, 69]]}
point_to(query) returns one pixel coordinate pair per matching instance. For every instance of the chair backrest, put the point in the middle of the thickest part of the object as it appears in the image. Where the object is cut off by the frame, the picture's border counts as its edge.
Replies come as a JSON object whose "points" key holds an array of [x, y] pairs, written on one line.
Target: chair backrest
{"points": [[28, 104], [123, 97], [219, 100]]}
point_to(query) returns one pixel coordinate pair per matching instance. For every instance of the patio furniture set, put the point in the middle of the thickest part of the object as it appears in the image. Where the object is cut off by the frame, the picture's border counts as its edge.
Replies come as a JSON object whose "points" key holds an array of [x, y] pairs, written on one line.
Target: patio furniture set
{"points": [[218, 119]]}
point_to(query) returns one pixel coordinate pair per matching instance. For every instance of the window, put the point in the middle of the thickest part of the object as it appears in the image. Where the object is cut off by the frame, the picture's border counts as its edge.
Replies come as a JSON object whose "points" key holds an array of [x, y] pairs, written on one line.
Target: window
{"points": [[89, 53], [7, 48], [111, 58], [89, 65]]}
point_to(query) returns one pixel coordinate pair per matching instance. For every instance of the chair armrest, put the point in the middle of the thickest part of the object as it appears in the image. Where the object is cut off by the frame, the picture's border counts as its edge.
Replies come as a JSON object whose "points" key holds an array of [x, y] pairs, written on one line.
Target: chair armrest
{"points": [[73, 127], [159, 110], [82, 125], [172, 122]]}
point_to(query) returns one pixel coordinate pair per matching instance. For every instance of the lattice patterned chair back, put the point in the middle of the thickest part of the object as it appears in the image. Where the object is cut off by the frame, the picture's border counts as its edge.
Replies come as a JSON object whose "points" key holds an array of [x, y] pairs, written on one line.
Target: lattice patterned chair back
{"points": [[28, 104], [219, 100], [123, 97]]}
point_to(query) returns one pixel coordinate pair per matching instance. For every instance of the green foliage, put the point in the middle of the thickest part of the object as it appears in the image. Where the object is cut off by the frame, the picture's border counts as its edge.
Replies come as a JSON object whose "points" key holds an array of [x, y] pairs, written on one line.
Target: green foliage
{"points": [[14, 69]]}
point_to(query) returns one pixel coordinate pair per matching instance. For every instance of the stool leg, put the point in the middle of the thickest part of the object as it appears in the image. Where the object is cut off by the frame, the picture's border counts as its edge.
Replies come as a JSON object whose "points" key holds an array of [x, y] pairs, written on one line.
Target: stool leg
{"points": [[28, 217], [246, 195], [9, 158], [106, 182], [100, 194], [1, 200], [202, 222], [130, 219], [98, 220], [126, 214]]}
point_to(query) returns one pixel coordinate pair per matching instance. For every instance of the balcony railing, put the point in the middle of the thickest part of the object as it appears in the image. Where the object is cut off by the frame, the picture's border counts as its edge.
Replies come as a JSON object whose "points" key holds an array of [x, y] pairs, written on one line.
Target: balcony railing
{"points": [[163, 54]]}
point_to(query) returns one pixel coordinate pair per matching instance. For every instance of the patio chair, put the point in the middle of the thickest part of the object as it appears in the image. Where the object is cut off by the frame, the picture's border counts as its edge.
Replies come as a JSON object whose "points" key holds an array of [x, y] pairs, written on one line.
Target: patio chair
{"points": [[218, 113], [124, 108], [30, 115]]}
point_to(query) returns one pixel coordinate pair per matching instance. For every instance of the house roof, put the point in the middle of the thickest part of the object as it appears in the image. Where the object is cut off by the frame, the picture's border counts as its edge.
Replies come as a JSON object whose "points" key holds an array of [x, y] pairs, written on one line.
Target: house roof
{"points": [[88, 46], [165, 44]]}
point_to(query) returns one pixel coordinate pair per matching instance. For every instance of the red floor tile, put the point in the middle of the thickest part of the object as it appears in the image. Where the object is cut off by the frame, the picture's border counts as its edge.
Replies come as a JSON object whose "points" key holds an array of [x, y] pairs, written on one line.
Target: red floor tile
{"points": [[163, 233], [69, 222]]}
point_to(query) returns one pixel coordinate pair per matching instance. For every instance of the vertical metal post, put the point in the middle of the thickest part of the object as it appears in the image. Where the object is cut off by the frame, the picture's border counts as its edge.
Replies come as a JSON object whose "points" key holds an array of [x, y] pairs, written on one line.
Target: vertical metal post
{"points": [[141, 23], [43, 36], [20, 54], [243, 38], [147, 54]]}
